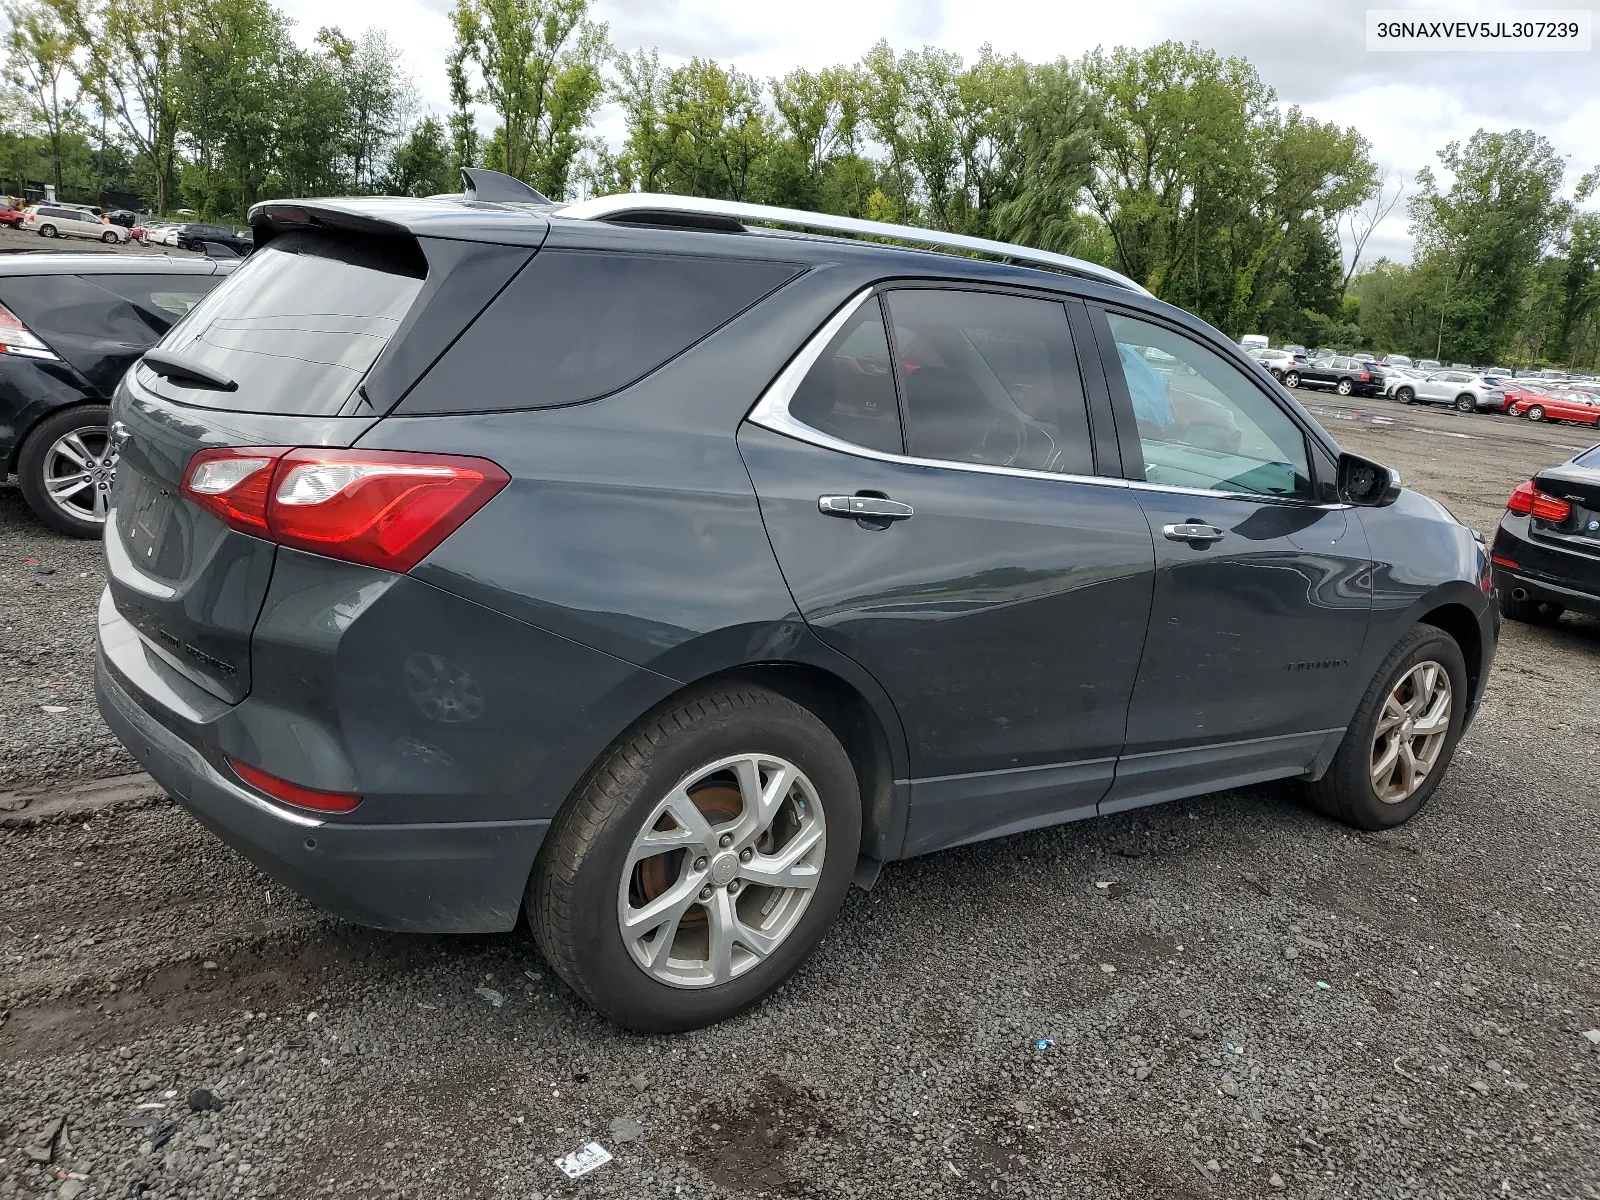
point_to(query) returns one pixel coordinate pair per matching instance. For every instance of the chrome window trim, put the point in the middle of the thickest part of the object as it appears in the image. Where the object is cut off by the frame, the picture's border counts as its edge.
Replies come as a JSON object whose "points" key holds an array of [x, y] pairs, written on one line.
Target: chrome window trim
{"points": [[611, 208], [771, 412]]}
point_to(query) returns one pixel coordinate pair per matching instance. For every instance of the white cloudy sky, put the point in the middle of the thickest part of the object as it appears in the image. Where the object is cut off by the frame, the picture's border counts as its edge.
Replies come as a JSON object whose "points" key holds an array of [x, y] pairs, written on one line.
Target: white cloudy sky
{"points": [[1313, 53]]}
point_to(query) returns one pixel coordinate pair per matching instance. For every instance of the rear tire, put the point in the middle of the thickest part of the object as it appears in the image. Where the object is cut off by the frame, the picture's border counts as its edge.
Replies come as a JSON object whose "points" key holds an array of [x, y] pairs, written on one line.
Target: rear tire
{"points": [[1466, 403], [1347, 792], [1291, 379], [1536, 412], [590, 875], [1344, 387], [1405, 395], [39, 465], [1529, 611]]}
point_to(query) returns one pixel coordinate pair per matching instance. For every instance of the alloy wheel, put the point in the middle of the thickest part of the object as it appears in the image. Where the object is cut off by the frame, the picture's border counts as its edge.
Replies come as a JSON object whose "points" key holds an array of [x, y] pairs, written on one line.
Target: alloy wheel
{"points": [[722, 870], [1292, 379], [1345, 387], [1411, 732], [1536, 413], [79, 468]]}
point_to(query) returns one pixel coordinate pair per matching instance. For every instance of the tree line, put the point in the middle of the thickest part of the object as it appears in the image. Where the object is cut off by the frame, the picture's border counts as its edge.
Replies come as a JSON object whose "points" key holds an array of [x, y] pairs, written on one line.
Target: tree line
{"points": [[1172, 164]]}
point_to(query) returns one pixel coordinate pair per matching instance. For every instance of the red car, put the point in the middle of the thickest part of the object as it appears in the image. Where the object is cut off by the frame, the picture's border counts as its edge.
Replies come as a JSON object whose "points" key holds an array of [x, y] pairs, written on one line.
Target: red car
{"points": [[1557, 405], [11, 217]]}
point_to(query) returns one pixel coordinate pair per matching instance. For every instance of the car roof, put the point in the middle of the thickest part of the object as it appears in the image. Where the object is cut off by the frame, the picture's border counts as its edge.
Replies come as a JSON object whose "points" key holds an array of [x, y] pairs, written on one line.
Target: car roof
{"points": [[45, 262], [463, 217]]}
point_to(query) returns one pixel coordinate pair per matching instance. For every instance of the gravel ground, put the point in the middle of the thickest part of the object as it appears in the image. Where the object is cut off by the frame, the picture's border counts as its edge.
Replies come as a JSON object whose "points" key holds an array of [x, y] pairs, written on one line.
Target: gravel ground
{"points": [[1259, 1004], [19, 240]]}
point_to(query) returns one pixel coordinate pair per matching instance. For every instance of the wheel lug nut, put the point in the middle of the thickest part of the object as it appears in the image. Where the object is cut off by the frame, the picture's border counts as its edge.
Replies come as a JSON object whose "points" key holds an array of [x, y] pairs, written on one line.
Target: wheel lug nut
{"points": [[725, 840], [700, 864], [733, 887], [705, 893], [746, 854]]}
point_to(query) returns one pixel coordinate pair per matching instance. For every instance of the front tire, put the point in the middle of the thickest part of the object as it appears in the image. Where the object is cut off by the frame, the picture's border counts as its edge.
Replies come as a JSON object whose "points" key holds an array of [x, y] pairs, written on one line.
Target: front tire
{"points": [[1405, 395], [1403, 736], [109, 238], [1291, 379], [47, 231], [700, 862], [66, 467]]}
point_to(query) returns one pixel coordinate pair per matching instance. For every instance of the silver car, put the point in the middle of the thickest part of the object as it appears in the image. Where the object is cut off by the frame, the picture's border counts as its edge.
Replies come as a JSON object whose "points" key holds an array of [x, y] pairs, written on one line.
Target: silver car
{"points": [[1466, 391]]}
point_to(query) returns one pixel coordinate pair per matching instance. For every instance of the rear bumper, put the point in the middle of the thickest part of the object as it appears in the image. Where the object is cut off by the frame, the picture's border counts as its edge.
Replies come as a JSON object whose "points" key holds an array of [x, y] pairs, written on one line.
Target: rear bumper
{"points": [[458, 877], [1546, 573]]}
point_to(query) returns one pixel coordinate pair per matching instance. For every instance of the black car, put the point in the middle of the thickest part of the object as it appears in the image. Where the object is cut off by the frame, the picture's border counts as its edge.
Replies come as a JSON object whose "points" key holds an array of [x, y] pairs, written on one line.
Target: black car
{"points": [[1347, 376], [1547, 550], [70, 325], [657, 572], [196, 236]]}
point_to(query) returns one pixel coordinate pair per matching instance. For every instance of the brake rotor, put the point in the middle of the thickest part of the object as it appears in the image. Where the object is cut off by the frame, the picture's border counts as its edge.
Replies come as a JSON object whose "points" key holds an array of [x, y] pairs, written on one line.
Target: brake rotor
{"points": [[719, 803]]}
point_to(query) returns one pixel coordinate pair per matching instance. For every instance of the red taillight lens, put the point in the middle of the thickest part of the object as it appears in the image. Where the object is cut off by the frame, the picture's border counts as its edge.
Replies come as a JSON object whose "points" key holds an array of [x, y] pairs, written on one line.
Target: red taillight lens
{"points": [[1503, 561], [1548, 508], [1529, 499], [293, 793], [1366, 375], [17, 338], [233, 484], [384, 508]]}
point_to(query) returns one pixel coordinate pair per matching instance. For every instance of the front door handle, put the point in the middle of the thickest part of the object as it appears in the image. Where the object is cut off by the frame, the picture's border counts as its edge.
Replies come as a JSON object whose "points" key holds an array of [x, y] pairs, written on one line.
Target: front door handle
{"points": [[1192, 531], [872, 507]]}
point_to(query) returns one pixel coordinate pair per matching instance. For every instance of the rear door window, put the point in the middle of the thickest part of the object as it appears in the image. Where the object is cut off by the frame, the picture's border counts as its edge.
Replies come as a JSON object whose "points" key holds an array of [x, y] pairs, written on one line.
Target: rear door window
{"points": [[298, 325], [575, 325], [849, 392], [990, 378], [101, 323]]}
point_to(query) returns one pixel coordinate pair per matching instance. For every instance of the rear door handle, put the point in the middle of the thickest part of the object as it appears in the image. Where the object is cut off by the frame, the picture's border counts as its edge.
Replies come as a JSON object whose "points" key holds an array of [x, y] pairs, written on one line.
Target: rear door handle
{"points": [[1192, 531], [864, 506]]}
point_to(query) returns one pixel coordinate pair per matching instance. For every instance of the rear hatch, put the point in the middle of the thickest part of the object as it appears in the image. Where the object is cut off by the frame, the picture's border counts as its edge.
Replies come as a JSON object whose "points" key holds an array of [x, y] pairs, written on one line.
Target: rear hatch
{"points": [[273, 357]]}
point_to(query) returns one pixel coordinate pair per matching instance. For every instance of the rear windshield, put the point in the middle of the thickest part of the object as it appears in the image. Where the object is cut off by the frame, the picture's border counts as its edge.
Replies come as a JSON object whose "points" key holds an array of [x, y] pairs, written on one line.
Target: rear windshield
{"points": [[298, 325], [1589, 458]]}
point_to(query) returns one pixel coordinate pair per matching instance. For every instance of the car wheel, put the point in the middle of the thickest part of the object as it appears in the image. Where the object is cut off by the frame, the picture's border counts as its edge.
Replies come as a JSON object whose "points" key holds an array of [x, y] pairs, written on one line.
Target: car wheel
{"points": [[1403, 735], [700, 862], [1344, 387], [66, 468], [48, 231], [1291, 379], [109, 238], [1536, 412], [1405, 395], [1466, 403], [1528, 610]]}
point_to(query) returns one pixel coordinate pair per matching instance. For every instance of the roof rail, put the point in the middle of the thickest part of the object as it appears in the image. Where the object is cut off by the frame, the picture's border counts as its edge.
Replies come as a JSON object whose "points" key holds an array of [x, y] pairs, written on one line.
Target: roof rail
{"points": [[645, 205]]}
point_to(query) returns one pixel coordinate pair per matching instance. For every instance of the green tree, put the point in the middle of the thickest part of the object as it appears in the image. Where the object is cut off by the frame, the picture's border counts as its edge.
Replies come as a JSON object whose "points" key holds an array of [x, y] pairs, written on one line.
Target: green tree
{"points": [[133, 50], [1057, 124], [423, 163], [42, 53], [539, 64], [1481, 238]]}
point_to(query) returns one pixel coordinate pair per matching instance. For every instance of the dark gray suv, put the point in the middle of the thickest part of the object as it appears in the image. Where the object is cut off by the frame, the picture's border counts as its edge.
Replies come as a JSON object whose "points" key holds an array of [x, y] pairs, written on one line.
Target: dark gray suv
{"points": [[658, 570]]}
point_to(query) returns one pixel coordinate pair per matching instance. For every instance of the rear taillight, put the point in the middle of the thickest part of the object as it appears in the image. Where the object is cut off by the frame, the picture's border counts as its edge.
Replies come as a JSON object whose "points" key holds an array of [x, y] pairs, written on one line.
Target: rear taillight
{"points": [[383, 508], [1366, 375], [1529, 499], [293, 793], [16, 338]]}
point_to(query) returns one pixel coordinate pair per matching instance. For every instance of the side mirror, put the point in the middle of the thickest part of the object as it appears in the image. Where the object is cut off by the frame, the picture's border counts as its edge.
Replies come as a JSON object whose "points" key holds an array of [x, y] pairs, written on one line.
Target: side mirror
{"points": [[1367, 484]]}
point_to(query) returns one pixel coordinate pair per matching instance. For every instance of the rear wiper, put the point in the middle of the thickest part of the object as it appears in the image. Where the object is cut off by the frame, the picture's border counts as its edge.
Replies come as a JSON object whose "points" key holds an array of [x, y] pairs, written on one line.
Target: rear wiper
{"points": [[175, 366]]}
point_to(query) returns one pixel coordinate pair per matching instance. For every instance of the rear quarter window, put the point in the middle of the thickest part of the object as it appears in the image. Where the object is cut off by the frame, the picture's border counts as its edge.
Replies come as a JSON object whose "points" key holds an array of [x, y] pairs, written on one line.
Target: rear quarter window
{"points": [[575, 325]]}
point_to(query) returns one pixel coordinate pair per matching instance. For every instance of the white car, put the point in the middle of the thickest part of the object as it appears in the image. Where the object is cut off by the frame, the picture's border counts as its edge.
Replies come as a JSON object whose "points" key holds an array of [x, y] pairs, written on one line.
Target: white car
{"points": [[55, 220], [1398, 377], [1466, 391]]}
